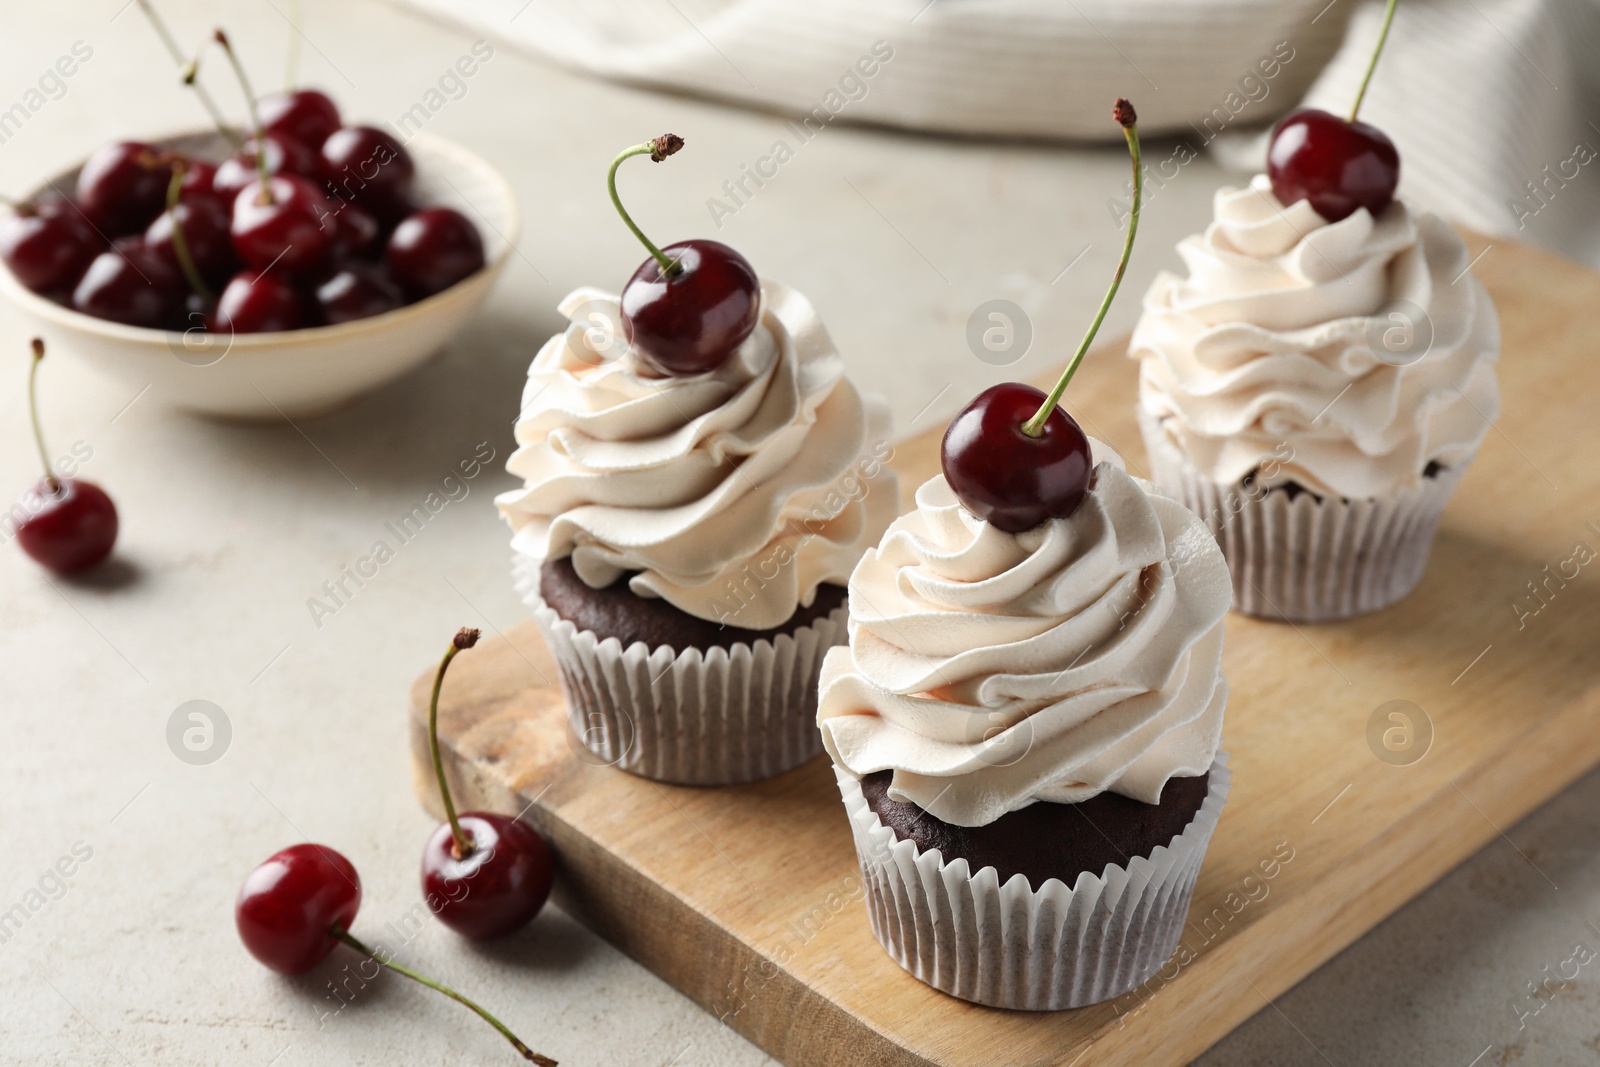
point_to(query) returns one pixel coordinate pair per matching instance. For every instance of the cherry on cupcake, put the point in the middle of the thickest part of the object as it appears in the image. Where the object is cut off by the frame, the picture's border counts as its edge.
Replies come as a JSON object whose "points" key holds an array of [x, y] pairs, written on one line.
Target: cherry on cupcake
{"points": [[1338, 165], [1013, 456], [483, 874], [297, 907], [690, 304], [48, 245], [432, 250], [75, 526], [123, 185], [305, 115]]}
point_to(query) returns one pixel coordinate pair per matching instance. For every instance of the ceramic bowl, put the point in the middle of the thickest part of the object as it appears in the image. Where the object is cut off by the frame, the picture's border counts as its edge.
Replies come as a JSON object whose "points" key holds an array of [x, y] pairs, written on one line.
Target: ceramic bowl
{"points": [[295, 373]]}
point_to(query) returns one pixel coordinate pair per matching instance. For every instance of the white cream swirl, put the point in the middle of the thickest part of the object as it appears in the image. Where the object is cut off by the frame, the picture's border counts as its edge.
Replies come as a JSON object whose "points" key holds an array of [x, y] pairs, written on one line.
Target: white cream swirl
{"points": [[731, 494], [1361, 349], [990, 670]]}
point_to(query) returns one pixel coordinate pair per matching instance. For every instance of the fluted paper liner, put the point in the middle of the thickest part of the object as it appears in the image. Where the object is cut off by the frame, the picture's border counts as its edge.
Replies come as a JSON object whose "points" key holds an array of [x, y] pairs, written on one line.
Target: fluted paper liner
{"points": [[1016, 946], [1305, 559], [697, 716]]}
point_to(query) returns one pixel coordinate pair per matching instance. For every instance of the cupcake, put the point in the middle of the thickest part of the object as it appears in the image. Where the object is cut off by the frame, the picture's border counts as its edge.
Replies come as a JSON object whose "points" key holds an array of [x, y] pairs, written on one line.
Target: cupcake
{"points": [[1024, 727], [1025, 723], [1318, 384], [687, 523]]}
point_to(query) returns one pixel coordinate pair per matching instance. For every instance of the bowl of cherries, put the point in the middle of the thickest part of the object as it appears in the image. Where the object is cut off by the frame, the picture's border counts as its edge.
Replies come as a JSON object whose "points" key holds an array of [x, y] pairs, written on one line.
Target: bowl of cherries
{"points": [[281, 271]]}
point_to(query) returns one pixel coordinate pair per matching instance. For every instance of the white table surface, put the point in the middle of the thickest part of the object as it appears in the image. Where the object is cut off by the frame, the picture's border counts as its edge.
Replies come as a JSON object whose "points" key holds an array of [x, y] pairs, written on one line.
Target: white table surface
{"points": [[227, 530]]}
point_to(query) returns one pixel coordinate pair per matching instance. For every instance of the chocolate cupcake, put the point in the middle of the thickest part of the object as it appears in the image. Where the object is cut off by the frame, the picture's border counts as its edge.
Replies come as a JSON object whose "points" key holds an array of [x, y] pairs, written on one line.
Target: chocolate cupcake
{"points": [[1314, 390], [684, 540], [1024, 727]]}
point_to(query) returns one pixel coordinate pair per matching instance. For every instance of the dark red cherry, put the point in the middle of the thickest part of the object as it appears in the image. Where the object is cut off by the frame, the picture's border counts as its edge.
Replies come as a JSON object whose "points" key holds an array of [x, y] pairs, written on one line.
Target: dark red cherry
{"points": [[287, 226], [365, 164], [1000, 474], [289, 907], [47, 245], [283, 156], [74, 527], [199, 179], [305, 115], [1338, 166], [123, 185], [691, 322], [498, 887], [253, 302], [432, 250], [356, 232], [356, 290], [129, 283], [205, 226]]}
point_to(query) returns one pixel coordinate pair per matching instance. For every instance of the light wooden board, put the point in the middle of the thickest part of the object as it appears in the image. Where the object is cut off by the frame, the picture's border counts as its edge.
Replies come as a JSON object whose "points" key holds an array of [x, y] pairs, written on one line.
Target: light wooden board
{"points": [[747, 898]]}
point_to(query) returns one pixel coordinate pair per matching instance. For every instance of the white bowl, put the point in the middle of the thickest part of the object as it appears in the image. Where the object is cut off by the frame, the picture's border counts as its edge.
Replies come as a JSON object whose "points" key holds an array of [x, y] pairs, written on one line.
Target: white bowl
{"points": [[294, 373]]}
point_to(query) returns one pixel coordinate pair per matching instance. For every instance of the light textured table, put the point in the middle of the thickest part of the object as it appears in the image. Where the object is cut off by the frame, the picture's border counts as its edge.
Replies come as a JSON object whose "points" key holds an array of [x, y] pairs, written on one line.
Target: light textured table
{"points": [[229, 530]]}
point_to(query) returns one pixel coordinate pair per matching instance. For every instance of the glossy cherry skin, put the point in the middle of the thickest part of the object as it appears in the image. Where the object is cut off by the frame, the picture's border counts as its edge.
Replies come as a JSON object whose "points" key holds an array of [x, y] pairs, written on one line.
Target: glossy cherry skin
{"points": [[691, 322], [432, 250], [305, 115], [48, 245], [1000, 474], [205, 225], [253, 302], [199, 179], [365, 164], [356, 232], [289, 905], [495, 890], [1338, 166], [356, 290], [74, 528], [291, 230], [131, 284], [283, 155], [123, 185]]}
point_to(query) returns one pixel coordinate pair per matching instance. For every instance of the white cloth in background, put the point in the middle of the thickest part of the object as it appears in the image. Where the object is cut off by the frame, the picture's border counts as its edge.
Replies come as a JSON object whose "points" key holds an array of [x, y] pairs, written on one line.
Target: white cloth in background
{"points": [[1480, 95]]}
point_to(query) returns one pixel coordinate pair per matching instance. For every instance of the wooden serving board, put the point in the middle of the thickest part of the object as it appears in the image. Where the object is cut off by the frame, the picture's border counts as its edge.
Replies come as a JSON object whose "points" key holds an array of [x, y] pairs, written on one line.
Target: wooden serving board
{"points": [[748, 900]]}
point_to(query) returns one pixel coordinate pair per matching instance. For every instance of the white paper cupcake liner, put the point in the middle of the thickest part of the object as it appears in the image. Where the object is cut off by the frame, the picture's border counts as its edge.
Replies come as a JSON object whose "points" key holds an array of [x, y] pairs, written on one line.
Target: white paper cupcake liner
{"points": [[1015, 946], [697, 717], [1305, 559]]}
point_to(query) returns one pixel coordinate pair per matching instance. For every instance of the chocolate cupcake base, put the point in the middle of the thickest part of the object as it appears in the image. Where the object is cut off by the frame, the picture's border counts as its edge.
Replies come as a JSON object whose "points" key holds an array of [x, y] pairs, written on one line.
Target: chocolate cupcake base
{"points": [[1044, 947], [651, 694]]}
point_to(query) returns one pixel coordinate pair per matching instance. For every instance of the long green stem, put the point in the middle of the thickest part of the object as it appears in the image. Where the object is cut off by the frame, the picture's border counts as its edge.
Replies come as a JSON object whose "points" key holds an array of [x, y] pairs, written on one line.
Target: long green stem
{"points": [[1125, 115], [255, 116], [464, 639], [657, 150], [33, 412], [180, 243], [516, 1042], [1383, 35], [178, 57]]}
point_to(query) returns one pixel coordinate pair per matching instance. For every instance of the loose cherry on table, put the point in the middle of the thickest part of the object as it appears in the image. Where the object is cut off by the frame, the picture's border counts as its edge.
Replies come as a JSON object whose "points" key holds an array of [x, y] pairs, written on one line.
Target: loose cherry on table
{"points": [[297, 907], [432, 250], [1338, 165], [304, 115], [48, 244], [690, 304], [122, 186], [1015, 458], [483, 874], [75, 525]]}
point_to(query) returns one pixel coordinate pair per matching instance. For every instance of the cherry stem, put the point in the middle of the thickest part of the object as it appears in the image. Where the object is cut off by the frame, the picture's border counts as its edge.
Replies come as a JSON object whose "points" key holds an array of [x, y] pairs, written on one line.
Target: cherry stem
{"points": [[1129, 120], [516, 1042], [1383, 35], [255, 116], [464, 639], [178, 57], [657, 150], [180, 243], [33, 413]]}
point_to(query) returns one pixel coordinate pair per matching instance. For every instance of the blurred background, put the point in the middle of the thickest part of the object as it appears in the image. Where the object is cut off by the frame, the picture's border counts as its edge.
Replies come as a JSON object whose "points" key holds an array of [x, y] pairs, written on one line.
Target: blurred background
{"points": [[938, 155]]}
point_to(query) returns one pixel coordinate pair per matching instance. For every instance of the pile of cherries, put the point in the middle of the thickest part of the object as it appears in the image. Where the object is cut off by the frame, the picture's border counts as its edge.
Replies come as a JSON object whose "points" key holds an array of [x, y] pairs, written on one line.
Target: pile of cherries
{"points": [[309, 222], [483, 875]]}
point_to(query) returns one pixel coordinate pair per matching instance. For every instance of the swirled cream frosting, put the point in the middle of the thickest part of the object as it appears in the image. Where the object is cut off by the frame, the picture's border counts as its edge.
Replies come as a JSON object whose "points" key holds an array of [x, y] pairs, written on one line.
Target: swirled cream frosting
{"points": [[731, 494], [990, 670], [1362, 350]]}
